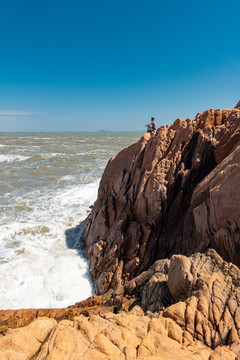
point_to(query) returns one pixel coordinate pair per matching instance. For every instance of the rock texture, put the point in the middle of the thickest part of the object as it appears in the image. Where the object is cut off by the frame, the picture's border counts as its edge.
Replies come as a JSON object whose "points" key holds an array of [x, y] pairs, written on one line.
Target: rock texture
{"points": [[201, 294], [93, 305], [200, 318], [173, 192], [108, 337], [167, 207]]}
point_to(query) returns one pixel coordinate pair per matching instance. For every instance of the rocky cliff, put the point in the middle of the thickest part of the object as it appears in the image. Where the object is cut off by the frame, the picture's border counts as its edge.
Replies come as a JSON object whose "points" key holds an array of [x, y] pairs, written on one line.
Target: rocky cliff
{"points": [[167, 207], [173, 192]]}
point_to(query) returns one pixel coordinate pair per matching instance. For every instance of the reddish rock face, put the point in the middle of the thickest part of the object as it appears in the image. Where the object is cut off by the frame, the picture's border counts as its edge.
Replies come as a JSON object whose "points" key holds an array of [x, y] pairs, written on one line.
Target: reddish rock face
{"points": [[173, 192]]}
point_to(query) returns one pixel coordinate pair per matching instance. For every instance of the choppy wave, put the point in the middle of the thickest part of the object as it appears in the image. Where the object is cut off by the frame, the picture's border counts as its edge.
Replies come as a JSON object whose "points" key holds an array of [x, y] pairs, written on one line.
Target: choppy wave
{"points": [[34, 253], [12, 158], [45, 194]]}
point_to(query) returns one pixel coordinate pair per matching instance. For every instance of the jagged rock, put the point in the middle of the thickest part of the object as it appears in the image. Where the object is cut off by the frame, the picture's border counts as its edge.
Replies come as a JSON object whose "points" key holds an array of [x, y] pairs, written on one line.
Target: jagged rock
{"points": [[238, 105], [215, 208], [210, 311], [151, 287], [174, 192], [203, 298], [110, 337], [200, 318]]}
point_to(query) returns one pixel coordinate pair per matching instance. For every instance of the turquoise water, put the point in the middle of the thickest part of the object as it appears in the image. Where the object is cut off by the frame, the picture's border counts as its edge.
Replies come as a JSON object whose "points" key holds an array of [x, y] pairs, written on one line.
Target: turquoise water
{"points": [[48, 181]]}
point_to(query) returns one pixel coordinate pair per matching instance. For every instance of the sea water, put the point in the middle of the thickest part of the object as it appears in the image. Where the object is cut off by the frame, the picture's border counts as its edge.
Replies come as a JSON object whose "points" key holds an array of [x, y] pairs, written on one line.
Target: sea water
{"points": [[47, 183]]}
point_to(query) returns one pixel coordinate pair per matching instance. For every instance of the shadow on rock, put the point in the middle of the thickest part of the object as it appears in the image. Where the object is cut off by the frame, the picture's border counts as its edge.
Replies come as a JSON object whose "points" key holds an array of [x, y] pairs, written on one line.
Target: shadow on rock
{"points": [[73, 238]]}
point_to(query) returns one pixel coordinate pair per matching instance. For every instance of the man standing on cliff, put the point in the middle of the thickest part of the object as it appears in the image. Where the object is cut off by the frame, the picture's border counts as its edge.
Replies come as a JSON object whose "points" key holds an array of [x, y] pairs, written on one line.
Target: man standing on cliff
{"points": [[152, 126]]}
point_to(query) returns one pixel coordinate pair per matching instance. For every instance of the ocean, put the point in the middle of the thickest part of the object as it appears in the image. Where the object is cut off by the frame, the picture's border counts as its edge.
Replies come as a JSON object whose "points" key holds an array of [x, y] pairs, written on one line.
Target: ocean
{"points": [[47, 183]]}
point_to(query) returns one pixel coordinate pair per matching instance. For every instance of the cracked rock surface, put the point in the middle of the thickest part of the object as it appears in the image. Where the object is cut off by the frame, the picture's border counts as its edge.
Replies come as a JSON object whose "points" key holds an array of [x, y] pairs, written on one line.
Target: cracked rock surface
{"points": [[173, 192], [197, 316]]}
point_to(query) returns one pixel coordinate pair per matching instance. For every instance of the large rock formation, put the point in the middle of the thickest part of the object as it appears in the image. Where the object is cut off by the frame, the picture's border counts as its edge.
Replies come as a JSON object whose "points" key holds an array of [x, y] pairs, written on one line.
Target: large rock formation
{"points": [[163, 204], [197, 316], [173, 192]]}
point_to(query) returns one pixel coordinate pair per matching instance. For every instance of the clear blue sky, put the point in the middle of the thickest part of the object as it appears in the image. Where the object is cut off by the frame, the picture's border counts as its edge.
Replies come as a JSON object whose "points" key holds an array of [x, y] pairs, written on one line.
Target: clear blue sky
{"points": [[89, 65]]}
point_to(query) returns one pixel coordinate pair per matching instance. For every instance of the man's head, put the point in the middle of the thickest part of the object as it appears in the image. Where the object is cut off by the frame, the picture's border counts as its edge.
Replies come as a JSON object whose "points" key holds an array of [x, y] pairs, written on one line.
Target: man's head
{"points": [[152, 118]]}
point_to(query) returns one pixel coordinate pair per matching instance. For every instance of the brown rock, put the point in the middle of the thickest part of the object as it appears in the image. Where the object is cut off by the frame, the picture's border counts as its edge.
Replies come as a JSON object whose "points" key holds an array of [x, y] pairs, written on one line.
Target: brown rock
{"points": [[209, 312], [122, 336], [174, 192], [179, 277], [204, 325], [238, 105], [216, 208], [97, 304]]}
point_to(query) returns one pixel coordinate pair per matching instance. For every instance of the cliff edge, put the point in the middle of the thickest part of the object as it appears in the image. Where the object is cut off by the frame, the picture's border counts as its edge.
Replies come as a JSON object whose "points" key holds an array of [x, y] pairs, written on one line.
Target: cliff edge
{"points": [[173, 192]]}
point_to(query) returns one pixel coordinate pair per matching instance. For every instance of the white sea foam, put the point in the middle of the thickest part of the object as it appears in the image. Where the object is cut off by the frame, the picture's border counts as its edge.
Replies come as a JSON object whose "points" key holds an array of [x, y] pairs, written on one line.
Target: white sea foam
{"points": [[42, 138], [46, 156], [67, 178], [12, 158], [40, 277], [84, 195], [42, 202], [34, 253]]}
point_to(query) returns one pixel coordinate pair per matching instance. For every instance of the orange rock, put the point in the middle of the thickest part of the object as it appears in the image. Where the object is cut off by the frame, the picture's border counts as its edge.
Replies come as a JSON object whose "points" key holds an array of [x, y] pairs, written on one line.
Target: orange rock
{"points": [[24, 343], [204, 325]]}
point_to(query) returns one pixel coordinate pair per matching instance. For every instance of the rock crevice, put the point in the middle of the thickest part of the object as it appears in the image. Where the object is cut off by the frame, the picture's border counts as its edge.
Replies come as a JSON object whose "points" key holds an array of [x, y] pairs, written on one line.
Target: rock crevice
{"points": [[166, 195], [189, 308]]}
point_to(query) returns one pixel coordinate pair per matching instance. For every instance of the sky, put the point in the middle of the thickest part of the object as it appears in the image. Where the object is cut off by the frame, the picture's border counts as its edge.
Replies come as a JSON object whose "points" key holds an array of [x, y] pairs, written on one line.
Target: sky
{"points": [[91, 65]]}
